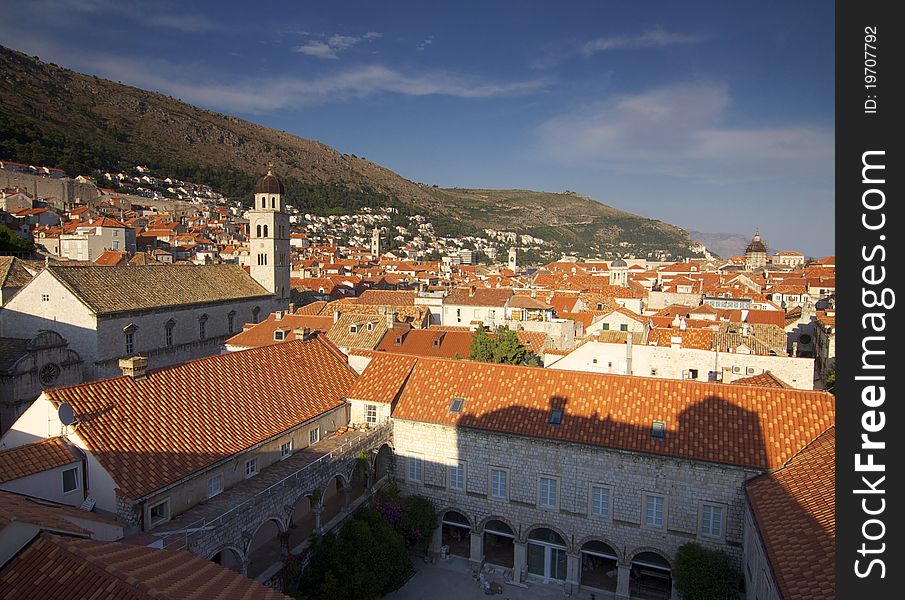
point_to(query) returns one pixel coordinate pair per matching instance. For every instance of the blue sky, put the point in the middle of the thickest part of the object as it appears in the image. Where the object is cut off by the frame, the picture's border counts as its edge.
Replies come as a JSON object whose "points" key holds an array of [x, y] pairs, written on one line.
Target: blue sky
{"points": [[715, 116]]}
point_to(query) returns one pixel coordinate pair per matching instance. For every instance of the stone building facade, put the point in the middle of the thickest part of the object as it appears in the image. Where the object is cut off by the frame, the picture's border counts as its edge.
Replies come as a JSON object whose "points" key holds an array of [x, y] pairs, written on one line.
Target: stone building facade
{"points": [[630, 479]]}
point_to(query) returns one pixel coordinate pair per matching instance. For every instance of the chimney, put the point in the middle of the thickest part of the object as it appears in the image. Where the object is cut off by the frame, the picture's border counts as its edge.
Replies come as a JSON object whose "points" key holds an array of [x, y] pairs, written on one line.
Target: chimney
{"points": [[794, 349], [304, 333], [391, 318], [134, 367], [291, 308], [277, 315], [727, 375], [675, 341], [471, 291], [628, 353]]}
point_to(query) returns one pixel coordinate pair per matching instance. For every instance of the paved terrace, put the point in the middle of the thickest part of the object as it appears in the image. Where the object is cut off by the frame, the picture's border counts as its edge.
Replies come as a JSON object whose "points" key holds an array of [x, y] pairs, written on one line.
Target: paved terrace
{"points": [[230, 522]]}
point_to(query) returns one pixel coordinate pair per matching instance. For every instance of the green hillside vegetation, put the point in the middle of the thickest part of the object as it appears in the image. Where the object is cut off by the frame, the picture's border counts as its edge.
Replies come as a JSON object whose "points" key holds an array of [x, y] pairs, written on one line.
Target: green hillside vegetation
{"points": [[83, 124]]}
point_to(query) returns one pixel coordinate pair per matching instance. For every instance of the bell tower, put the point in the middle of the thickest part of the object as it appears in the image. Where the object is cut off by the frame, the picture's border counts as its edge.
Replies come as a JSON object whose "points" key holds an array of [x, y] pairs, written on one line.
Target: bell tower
{"points": [[269, 232]]}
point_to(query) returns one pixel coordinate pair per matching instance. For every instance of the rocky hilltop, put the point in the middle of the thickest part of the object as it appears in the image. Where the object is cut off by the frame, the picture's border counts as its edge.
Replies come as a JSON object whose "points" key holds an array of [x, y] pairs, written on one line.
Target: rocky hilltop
{"points": [[57, 117]]}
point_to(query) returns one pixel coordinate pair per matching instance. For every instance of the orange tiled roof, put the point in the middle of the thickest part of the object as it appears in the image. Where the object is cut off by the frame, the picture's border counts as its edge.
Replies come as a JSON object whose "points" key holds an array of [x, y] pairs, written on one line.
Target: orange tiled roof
{"points": [[36, 457], [15, 507], [262, 334], [754, 427], [110, 258], [72, 569], [481, 297], [312, 308], [203, 411], [384, 376], [427, 342], [387, 298], [765, 379], [795, 513]]}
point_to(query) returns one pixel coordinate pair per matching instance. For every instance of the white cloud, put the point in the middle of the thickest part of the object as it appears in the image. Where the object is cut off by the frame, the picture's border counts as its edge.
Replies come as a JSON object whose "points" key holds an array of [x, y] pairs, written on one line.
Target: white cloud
{"points": [[681, 131], [653, 38], [331, 47], [425, 43]]}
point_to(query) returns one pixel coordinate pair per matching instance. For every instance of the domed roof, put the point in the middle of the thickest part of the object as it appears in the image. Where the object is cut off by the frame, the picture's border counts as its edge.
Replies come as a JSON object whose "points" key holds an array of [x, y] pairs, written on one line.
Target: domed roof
{"points": [[756, 245], [269, 184], [618, 263]]}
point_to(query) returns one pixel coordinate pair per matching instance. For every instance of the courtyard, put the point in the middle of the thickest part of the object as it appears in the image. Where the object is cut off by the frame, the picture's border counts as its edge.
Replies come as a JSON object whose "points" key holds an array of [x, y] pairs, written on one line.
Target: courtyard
{"points": [[453, 579]]}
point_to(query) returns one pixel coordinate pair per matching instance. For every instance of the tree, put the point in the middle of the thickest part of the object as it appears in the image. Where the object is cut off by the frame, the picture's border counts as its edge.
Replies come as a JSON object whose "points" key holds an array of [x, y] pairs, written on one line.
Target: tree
{"points": [[482, 347], [703, 574], [366, 560], [830, 380], [11, 242], [503, 348]]}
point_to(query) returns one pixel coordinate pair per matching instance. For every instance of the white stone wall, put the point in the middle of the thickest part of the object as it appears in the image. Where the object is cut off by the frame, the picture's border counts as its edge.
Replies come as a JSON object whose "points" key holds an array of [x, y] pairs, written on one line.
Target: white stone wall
{"points": [[357, 411], [614, 321], [670, 363], [101, 341], [48, 485], [686, 485], [193, 491], [759, 581], [489, 315]]}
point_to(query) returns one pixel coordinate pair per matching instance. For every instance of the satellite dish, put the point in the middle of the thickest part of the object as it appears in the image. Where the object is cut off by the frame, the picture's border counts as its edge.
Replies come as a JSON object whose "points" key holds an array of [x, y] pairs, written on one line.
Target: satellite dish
{"points": [[67, 416]]}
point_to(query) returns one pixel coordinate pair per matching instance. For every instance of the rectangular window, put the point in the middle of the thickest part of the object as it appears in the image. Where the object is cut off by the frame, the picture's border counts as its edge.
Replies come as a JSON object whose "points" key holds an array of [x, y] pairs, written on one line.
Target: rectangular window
{"points": [[416, 469], [214, 486], [457, 476], [314, 436], [278, 335], [370, 413], [654, 510], [251, 468], [712, 520], [600, 501], [605, 327], [499, 484], [548, 496], [231, 322], [70, 480], [623, 327], [692, 373], [160, 512], [130, 343], [286, 450], [202, 329]]}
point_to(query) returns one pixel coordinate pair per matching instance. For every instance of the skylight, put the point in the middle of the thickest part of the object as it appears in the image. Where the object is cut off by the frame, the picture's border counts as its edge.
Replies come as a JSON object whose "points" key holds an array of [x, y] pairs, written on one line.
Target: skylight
{"points": [[658, 430], [456, 405], [556, 416]]}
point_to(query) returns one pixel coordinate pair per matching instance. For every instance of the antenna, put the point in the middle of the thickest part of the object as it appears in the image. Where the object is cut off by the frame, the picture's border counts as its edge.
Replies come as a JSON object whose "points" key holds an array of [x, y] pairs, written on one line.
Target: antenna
{"points": [[66, 414]]}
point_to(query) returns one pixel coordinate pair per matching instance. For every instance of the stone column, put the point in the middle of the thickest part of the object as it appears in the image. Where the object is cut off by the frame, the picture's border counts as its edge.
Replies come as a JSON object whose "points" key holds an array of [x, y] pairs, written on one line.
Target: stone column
{"points": [[245, 562], [317, 510], [436, 542], [520, 561], [622, 580], [477, 548], [347, 495], [573, 568], [284, 545], [673, 593]]}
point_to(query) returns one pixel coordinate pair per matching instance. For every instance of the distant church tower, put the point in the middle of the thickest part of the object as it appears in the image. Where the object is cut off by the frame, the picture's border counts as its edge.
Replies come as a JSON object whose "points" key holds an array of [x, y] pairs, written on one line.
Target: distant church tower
{"points": [[755, 254], [375, 242], [513, 261], [619, 272], [269, 228]]}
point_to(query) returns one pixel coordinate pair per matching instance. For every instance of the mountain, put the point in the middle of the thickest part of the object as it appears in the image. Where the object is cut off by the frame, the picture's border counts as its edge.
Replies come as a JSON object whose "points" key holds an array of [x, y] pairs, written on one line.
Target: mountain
{"points": [[81, 123], [722, 244]]}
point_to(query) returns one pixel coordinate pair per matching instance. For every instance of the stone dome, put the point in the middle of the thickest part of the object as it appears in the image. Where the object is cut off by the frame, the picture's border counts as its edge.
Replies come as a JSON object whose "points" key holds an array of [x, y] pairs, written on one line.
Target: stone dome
{"points": [[618, 263], [269, 184], [756, 245]]}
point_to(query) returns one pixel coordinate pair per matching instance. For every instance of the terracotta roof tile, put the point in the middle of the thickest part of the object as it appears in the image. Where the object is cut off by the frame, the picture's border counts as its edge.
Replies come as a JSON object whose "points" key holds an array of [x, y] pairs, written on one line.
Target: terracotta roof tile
{"points": [[262, 334], [36, 457], [73, 569], [137, 287], [200, 412], [795, 511], [740, 425], [765, 379], [383, 378], [15, 507], [358, 331], [387, 298]]}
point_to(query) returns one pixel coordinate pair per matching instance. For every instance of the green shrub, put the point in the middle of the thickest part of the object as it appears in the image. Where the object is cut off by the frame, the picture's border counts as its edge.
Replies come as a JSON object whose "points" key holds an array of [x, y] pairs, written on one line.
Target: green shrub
{"points": [[704, 574]]}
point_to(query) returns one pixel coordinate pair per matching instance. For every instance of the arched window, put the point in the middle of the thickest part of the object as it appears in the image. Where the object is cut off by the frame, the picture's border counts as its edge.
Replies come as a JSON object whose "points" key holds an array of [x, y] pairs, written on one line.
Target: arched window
{"points": [[265, 231], [202, 327], [231, 321], [255, 313], [168, 331], [273, 202], [259, 231], [263, 202]]}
